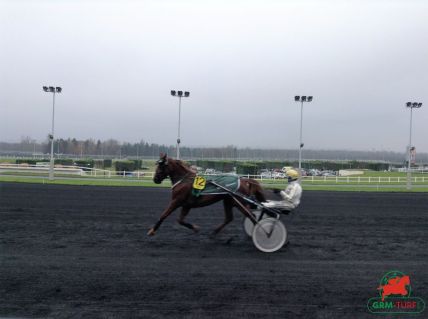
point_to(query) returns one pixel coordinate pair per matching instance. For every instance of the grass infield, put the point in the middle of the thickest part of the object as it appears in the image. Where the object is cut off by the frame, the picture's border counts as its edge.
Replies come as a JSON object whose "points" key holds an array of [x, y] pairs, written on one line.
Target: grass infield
{"points": [[349, 187]]}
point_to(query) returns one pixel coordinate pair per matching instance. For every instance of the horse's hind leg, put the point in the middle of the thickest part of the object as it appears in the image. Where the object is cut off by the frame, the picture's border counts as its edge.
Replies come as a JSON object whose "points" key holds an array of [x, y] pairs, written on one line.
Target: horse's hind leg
{"points": [[228, 214], [183, 214]]}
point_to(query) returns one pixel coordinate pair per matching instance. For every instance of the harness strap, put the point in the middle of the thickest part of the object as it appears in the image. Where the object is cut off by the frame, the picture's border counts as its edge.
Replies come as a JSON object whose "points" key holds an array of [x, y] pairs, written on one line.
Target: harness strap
{"points": [[172, 187], [182, 179]]}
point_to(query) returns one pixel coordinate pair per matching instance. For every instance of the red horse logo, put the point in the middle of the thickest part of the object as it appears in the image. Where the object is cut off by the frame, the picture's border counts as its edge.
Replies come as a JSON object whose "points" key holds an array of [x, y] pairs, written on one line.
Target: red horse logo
{"points": [[395, 286]]}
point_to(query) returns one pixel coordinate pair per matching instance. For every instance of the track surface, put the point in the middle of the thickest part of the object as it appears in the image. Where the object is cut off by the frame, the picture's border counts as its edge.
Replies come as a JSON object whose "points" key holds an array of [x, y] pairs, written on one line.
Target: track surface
{"points": [[82, 252]]}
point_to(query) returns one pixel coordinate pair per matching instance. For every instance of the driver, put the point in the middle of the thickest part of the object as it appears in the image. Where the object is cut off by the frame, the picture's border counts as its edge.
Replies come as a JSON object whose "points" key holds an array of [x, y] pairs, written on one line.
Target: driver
{"points": [[290, 196]]}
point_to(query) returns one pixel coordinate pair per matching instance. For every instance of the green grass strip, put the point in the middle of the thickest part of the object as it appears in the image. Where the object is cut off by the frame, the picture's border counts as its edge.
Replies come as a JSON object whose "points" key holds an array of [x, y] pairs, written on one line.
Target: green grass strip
{"points": [[84, 181], [148, 183]]}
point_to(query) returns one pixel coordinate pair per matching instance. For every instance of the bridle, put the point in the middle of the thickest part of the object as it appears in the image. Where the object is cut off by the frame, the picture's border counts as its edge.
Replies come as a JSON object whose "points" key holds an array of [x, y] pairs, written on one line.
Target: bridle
{"points": [[164, 162]]}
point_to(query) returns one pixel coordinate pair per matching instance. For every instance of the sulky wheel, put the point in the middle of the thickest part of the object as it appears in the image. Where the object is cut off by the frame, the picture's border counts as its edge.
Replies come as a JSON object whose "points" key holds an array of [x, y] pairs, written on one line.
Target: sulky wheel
{"points": [[269, 235], [248, 224]]}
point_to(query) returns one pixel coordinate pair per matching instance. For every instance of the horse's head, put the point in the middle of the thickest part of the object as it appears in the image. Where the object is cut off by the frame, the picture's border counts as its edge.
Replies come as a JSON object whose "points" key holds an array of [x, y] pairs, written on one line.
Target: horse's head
{"points": [[162, 169]]}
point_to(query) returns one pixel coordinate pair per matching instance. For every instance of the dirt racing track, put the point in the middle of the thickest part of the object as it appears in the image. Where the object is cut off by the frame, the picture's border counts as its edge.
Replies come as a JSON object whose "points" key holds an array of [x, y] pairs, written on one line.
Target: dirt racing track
{"points": [[82, 252]]}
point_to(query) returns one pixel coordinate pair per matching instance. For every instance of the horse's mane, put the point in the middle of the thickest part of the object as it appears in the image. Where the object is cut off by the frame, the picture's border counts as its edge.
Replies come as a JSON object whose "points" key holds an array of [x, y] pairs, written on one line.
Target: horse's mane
{"points": [[184, 165]]}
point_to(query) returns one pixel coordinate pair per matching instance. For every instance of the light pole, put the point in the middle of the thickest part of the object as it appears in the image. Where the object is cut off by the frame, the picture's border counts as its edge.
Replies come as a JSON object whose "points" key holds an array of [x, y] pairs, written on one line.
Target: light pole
{"points": [[53, 90], [179, 94], [301, 99], [410, 105]]}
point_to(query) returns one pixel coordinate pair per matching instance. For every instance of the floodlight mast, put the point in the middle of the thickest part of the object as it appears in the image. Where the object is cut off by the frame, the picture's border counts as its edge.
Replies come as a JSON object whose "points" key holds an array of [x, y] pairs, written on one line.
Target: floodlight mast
{"points": [[179, 94], [301, 99], [410, 105], [52, 90]]}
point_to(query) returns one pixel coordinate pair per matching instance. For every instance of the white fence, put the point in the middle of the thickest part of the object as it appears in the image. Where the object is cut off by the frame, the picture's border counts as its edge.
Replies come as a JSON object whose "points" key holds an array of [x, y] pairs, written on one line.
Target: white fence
{"points": [[350, 179], [23, 169], [363, 179]]}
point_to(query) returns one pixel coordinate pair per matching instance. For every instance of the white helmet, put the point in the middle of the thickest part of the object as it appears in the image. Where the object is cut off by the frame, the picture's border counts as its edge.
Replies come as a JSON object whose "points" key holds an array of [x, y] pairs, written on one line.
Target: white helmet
{"points": [[292, 174]]}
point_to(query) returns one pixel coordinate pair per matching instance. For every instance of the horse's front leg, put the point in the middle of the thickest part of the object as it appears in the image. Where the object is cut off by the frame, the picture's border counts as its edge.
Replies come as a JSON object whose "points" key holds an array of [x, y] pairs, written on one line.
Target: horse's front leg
{"points": [[164, 215], [184, 211]]}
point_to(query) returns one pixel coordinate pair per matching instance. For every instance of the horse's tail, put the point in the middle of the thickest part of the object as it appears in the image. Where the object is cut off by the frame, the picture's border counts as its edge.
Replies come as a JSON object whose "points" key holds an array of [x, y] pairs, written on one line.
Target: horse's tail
{"points": [[255, 189]]}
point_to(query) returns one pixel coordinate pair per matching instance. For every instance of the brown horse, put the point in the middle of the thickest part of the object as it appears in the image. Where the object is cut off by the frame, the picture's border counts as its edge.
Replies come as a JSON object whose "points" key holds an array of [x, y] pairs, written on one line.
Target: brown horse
{"points": [[182, 183]]}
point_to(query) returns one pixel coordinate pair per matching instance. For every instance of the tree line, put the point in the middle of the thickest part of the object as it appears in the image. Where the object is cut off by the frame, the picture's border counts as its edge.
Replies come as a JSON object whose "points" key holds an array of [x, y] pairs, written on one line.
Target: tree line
{"points": [[111, 148]]}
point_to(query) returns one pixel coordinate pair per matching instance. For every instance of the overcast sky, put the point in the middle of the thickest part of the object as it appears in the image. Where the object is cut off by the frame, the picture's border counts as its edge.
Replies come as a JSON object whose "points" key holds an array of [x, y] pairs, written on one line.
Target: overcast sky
{"points": [[242, 61]]}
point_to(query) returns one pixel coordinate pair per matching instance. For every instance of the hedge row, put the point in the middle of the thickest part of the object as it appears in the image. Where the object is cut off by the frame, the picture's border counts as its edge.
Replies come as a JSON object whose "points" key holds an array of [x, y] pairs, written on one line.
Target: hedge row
{"points": [[222, 166], [244, 168], [30, 161], [126, 165], [69, 162], [254, 168]]}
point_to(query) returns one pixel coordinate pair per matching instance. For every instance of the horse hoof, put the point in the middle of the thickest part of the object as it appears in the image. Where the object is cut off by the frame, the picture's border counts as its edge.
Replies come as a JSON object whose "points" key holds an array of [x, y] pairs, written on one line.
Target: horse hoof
{"points": [[213, 235], [196, 229], [151, 232], [229, 241]]}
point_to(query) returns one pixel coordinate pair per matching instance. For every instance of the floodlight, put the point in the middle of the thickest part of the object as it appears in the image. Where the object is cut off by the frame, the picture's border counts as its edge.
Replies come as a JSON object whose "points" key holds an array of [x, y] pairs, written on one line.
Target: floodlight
{"points": [[179, 94], [52, 89], [302, 99], [411, 105]]}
